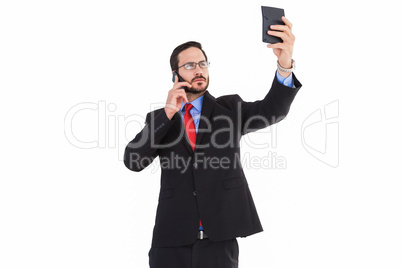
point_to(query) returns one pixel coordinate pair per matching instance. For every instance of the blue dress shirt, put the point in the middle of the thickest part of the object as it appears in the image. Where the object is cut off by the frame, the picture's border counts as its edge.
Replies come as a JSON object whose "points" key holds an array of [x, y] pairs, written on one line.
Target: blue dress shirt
{"points": [[195, 111], [286, 81]]}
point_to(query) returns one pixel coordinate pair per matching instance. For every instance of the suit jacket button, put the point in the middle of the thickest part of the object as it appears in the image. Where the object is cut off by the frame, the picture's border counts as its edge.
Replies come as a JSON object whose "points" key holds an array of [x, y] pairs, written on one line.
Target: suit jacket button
{"points": [[194, 193]]}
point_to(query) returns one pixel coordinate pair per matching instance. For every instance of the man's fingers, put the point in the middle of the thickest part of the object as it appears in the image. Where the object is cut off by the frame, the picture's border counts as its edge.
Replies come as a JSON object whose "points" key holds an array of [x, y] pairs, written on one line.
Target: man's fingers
{"points": [[282, 28], [283, 31], [182, 84], [179, 90], [287, 22], [277, 45], [286, 38], [175, 98], [182, 95], [178, 93]]}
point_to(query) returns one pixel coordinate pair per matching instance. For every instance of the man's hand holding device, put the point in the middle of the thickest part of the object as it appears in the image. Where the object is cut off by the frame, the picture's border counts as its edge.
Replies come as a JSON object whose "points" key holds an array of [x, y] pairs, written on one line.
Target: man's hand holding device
{"points": [[176, 96], [280, 37]]}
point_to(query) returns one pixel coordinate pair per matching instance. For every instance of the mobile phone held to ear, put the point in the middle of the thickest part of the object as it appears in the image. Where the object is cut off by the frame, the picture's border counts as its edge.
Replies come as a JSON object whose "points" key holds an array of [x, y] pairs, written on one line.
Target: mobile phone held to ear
{"points": [[271, 16], [180, 80]]}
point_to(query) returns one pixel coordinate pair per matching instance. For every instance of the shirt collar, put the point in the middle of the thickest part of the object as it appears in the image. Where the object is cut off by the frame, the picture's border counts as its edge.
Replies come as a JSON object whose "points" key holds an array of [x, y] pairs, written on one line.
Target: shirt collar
{"points": [[197, 104]]}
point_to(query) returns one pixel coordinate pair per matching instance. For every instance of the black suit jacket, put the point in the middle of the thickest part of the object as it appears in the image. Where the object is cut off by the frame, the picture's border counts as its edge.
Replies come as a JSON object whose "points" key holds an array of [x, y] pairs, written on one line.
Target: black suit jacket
{"points": [[209, 183]]}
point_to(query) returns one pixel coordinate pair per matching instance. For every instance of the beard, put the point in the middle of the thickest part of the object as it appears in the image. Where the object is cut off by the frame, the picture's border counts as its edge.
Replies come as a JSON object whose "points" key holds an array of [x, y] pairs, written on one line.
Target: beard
{"points": [[198, 88]]}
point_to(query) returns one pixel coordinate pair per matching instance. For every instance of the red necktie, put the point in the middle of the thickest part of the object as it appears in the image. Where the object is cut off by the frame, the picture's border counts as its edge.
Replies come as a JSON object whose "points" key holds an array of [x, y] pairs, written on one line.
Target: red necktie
{"points": [[190, 128], [189, 125]]}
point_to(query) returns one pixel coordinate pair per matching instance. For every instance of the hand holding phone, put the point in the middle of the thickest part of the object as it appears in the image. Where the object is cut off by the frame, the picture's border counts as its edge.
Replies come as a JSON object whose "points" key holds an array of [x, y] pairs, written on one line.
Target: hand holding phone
{"points": [[271, 16], [176, 96], [175, 74]]}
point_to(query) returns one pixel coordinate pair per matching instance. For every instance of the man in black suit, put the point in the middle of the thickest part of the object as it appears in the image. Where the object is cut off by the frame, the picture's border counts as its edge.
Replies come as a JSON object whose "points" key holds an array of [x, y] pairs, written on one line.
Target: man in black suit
{"points": [[204, 201]]}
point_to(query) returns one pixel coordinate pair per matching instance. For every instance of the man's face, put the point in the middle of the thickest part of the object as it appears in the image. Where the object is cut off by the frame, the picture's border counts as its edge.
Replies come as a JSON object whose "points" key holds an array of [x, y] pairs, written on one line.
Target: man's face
{"points": [[198, 78]]}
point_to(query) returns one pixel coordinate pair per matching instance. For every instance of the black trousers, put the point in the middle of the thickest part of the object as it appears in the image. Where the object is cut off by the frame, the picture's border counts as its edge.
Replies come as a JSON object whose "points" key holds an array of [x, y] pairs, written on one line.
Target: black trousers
{"points": [[202, 254]]}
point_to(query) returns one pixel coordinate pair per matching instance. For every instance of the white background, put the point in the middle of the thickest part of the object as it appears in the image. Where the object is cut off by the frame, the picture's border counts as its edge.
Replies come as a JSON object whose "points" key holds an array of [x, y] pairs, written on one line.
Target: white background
{"points": [[66, 206]]}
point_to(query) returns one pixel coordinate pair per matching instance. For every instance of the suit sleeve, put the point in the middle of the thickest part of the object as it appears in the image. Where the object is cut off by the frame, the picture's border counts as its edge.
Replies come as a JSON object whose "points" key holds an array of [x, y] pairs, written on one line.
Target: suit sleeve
{"points": [[270, 110], [142, 150]]}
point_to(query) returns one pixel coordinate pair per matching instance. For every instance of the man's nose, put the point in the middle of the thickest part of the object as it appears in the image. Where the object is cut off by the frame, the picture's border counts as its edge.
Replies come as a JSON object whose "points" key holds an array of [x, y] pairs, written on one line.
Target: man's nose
{"points": [[198, 70]]}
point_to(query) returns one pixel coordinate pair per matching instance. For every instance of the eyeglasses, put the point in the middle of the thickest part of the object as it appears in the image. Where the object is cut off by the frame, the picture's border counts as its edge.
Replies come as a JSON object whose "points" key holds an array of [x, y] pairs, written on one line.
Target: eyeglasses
{"points": [[191, 65]]}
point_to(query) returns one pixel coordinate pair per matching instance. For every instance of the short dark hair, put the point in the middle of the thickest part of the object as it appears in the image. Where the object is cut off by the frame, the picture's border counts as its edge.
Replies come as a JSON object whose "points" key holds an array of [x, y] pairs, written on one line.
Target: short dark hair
{"points": [[174, 58]]}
